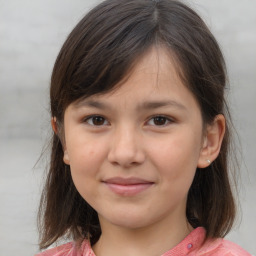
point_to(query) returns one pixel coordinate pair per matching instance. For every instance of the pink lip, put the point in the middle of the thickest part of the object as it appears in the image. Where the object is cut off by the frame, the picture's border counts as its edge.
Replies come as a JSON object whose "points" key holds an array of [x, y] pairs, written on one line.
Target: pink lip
{"points": [[127, 186]]}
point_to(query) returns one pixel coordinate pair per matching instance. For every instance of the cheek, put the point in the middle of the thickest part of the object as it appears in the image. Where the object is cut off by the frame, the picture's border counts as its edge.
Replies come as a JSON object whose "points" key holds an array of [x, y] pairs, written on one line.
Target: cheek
{"points": [[86, 161], [86, 158], [176, 156]]}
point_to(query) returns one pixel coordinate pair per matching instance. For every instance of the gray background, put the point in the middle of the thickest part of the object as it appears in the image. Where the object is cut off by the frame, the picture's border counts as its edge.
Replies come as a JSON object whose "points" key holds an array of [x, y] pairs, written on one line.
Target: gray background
{"points": [[31, 34]]}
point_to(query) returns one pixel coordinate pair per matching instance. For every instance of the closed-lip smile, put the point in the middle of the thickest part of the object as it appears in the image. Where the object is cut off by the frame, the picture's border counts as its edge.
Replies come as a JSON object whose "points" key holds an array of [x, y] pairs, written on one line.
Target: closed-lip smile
{"points": [[127, 186]]}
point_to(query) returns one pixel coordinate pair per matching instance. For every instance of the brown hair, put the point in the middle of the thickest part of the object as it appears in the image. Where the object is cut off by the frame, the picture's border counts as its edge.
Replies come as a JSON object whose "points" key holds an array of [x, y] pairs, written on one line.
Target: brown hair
{"points": [[98, 54]]}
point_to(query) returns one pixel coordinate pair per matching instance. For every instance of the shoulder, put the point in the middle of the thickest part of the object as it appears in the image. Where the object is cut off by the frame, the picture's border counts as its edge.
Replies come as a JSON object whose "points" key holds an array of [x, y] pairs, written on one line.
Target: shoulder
{"points": [[61, 250], [233, 249], [221, 247], [69, 249]]}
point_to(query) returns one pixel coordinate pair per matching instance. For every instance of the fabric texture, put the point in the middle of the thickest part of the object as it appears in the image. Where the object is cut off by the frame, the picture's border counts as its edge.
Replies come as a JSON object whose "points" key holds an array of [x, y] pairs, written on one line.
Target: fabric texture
{"points": [[192, 245]]}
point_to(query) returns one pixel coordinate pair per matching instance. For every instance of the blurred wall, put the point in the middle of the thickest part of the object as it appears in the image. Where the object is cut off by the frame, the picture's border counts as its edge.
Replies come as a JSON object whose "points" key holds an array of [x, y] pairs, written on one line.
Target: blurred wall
{"points": [[31, 34]]}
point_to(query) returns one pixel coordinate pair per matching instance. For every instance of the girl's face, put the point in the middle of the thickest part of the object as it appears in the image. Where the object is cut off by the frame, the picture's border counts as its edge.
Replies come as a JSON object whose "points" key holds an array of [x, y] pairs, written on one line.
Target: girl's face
{"points": [[133, 152]]}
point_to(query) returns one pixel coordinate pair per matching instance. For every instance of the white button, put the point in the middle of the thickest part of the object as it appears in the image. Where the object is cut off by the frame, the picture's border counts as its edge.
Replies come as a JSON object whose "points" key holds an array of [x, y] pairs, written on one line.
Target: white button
{"points": [[189, 246]]}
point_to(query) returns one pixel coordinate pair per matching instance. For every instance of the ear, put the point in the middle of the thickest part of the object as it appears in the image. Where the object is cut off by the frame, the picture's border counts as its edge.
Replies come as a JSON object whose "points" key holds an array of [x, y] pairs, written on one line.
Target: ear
{"points": [[66, 156], [54, 124], [212, 141], [55, 129]]}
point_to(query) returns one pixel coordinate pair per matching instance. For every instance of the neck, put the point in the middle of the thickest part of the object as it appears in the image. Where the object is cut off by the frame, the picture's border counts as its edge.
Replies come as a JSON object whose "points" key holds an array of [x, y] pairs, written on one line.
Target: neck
{"points": [[152, 240]]}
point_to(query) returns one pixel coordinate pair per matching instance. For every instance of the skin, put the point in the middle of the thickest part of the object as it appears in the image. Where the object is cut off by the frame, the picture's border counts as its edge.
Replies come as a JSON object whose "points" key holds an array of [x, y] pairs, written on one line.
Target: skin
{"points": [[150, 128]]}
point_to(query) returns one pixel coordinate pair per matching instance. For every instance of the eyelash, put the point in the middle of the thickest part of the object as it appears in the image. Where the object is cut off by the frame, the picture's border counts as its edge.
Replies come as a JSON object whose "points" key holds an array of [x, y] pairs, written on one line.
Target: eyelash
{"points": [[86, 120], [167, 120]]}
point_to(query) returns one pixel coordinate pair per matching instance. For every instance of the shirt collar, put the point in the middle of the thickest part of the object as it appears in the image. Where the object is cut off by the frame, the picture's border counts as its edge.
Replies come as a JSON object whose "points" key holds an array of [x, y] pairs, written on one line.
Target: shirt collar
{"points": [[190, 243]]}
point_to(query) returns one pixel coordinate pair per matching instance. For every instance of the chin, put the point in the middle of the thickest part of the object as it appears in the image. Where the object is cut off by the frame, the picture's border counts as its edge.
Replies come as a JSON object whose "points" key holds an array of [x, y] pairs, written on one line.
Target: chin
{"points": [[129, 224], [129, 221]]}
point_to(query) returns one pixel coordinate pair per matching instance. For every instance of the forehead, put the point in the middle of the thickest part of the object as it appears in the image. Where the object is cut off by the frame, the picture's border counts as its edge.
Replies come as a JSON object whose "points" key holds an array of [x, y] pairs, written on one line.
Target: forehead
{"points": [[152, 80], [155, 66], [157, 63]]}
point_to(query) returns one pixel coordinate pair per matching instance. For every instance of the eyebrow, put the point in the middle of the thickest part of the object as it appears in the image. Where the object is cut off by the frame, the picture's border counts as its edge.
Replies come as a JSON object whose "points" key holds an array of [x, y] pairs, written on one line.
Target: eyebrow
{"points": [[92, 103], [148, 105], [158, 104]]}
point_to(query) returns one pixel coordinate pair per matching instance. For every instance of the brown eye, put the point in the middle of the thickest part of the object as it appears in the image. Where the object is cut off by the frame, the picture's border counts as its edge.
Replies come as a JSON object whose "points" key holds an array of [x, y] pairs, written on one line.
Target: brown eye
{"points": [[159, 121], [96, 121]]}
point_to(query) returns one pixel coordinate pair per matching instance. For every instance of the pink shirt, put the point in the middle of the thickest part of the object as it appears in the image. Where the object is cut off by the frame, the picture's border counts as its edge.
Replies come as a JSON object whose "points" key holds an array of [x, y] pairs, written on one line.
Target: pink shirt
{"points": [[191, 246]]}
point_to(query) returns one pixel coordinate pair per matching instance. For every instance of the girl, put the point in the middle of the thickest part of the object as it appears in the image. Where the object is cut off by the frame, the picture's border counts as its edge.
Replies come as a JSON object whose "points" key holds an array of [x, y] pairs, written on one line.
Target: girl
{"points": [[141, 136]]}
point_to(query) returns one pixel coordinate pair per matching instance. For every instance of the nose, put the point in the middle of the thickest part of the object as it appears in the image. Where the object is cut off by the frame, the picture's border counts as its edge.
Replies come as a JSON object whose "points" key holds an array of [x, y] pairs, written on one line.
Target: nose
{"points": [[126, 148]]}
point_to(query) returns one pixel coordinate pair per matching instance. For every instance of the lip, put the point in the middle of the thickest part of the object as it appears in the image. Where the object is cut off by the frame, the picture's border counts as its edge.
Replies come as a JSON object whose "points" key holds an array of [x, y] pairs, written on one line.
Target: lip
{"points": [[127, 186]]}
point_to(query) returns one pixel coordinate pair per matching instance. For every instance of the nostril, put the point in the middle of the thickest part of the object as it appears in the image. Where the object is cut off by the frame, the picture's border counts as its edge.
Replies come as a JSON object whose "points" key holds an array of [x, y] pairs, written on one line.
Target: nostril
{"points": [[126, 158], [125, 148]]}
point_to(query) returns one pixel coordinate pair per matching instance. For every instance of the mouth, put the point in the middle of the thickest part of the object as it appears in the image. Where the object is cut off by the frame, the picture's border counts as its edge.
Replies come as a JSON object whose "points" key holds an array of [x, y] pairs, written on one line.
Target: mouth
{"points": [[127, 186]]}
